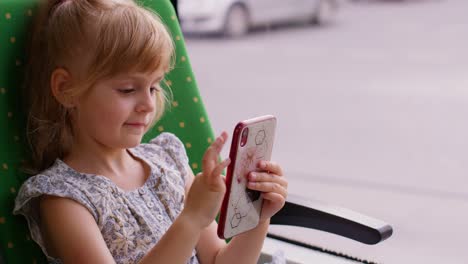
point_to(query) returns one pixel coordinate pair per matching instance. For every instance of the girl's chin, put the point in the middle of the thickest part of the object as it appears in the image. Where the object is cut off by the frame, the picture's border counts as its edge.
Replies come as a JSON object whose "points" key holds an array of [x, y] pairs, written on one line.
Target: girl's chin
{"points": [[133, 141]]}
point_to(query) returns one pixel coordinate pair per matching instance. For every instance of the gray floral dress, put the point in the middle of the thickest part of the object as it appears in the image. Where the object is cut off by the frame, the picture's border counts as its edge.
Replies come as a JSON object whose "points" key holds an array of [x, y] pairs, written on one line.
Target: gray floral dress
{"points": [[131, 222]]}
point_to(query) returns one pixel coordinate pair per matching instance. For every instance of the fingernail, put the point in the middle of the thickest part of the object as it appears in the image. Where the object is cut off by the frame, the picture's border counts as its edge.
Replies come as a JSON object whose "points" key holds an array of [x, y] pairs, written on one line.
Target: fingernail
{"points": [[253, 175], [262, 164]]}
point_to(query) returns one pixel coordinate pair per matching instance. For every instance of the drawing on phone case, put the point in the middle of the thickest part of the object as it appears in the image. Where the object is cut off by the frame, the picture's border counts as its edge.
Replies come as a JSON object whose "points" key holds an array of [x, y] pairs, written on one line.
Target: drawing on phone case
{"points": [[248, 159], [252, 141]]}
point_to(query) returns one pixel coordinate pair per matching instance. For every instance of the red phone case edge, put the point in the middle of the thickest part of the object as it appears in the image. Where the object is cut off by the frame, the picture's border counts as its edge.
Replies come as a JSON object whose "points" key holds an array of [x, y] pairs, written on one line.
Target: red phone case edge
{"points": [[232, 156]]}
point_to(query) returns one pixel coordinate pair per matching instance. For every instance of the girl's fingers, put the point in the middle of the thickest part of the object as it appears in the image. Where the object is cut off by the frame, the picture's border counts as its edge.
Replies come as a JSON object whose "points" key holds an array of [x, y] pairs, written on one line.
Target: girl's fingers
{"points": [[267, 177], [210, 158], [271, 167], [267, 187], [215, 176], [274, 197]]}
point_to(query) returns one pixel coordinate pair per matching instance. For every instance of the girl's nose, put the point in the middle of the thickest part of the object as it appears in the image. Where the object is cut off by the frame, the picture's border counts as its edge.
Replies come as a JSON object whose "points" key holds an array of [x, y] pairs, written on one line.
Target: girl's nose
{"points": [[146, 102]]}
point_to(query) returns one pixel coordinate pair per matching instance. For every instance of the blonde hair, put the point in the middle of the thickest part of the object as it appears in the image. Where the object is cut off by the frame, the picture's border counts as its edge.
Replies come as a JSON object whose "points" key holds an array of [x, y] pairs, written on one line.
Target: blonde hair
{"points": [[93, 40]]}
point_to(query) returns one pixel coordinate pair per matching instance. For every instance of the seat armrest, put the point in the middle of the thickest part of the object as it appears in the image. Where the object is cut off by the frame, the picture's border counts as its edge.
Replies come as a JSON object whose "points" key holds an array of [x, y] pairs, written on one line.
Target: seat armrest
{"points": [[318, 215]]}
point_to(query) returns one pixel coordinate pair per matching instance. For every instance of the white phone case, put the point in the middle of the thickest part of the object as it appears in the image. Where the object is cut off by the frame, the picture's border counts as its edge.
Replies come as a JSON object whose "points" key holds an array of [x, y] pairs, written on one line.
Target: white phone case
{"points": [[242, 207]]}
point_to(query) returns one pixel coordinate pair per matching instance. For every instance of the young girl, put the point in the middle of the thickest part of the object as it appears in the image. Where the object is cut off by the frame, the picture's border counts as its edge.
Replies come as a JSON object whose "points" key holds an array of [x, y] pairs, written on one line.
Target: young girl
{"points": [[99, 195]]}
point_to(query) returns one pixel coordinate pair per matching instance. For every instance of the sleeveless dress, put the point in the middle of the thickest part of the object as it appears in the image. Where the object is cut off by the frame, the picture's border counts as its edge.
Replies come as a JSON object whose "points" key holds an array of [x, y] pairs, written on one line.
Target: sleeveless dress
{"points": [[131, 222]]}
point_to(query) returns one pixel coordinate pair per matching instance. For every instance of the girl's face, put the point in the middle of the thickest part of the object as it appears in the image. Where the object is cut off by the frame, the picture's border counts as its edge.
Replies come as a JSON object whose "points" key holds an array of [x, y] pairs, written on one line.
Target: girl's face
{"points": [[117, 112]]}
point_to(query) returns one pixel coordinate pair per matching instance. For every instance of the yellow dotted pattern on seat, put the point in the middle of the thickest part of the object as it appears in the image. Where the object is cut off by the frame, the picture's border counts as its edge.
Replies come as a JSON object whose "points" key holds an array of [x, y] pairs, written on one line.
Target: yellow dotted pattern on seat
{"points": [[189, 79], [11, 43], [195, 99], [202, 119], [183, 58], [175, 103], [160, 128], [194, 166], [182, 124], [188, 145], [209, 140]]}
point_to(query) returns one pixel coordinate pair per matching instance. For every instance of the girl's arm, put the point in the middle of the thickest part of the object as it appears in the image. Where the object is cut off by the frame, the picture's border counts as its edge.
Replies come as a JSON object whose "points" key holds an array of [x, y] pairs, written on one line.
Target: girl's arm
{"points": [[243, 248], [177, 243], [246, 247], [70, 232], [203, 199]]}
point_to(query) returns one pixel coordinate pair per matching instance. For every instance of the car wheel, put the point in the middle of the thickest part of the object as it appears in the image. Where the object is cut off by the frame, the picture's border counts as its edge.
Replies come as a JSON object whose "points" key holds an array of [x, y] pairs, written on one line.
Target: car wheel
{"points": [[237, 22], [323, 12]]}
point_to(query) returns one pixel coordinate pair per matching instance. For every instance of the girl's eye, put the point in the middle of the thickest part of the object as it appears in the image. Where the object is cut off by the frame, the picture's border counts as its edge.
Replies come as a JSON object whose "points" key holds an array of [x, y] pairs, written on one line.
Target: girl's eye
{"points": [[126, 91], [155, 89]]}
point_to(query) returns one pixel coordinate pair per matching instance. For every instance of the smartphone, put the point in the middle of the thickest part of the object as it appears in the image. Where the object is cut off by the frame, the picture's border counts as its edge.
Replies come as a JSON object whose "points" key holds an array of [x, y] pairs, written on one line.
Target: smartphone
{"points": [[252, 141]]}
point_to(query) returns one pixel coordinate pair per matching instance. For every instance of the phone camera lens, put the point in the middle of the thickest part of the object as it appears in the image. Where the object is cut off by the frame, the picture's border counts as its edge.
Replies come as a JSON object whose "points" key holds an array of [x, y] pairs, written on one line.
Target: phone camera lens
{"points": [[244, 137]]}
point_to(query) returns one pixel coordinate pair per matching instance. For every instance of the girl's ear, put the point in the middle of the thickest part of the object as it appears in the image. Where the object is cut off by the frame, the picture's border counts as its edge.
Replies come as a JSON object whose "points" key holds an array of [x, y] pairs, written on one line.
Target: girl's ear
{"points": [[61, 85]]}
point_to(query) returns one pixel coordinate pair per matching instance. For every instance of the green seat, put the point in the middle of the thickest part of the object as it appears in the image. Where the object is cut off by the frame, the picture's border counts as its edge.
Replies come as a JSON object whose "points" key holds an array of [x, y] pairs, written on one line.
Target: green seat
{"points": [[186, 117]]}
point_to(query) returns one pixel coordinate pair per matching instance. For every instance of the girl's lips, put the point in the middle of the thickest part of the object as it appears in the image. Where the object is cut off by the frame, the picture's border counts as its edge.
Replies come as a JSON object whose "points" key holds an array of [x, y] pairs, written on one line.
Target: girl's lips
{"points": [[136, 123]]}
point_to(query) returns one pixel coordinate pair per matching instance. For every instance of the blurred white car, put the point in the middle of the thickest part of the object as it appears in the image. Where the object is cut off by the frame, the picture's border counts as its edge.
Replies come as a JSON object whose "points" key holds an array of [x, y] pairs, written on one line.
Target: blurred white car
{"points": [[235, 17]]}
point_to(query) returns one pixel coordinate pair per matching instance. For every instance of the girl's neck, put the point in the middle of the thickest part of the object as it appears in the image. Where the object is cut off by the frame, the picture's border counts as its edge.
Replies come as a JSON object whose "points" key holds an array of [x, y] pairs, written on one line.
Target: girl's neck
{"points": [[97, 159]]}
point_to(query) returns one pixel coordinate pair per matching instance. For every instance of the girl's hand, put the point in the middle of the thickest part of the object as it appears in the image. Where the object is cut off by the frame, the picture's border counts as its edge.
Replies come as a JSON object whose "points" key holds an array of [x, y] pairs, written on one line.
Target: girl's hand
{"points": [[272, 184], [207, 191]]}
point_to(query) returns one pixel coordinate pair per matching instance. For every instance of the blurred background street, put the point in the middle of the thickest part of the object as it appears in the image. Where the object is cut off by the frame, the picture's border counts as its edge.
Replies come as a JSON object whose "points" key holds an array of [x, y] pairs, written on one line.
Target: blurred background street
{"points": [[372, 114]]}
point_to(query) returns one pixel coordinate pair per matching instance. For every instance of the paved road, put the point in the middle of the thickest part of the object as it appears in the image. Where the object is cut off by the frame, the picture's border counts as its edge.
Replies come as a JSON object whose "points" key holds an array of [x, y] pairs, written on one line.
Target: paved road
{"points": [[372, 113]]}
